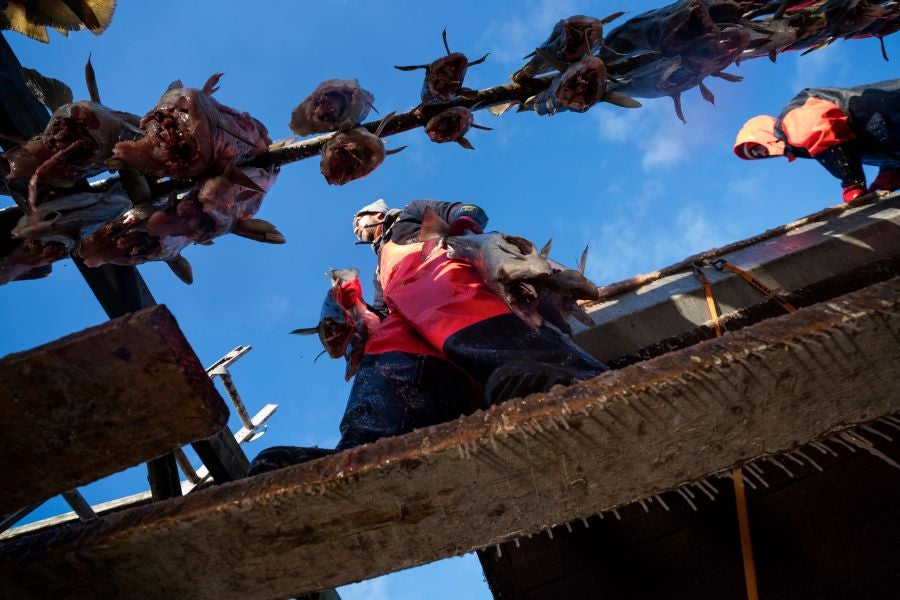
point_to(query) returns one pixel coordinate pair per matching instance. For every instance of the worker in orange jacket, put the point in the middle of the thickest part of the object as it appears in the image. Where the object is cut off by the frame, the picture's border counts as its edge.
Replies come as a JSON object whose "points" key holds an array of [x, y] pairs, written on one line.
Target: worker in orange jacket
{"points": [[842, 128]]}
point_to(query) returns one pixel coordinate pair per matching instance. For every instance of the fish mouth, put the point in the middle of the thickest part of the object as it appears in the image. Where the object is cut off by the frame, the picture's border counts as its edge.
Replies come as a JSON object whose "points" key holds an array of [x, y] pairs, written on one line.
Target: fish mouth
{"points": [[582, 88], [446, 75], [64, 132], [449, 125], [330, 106], [169, 127]]}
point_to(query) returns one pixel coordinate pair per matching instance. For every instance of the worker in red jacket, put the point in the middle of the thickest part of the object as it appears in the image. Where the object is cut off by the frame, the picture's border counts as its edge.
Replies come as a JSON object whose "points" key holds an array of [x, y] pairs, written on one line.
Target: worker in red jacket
{"points": [[446, 346], [842, 128], [445, 334]]}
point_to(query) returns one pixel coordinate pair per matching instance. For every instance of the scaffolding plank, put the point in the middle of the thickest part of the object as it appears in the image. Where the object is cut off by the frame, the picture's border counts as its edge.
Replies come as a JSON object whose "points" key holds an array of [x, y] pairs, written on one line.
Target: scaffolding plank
{"points": [[825, 254], [495, 475], [99, 401]]}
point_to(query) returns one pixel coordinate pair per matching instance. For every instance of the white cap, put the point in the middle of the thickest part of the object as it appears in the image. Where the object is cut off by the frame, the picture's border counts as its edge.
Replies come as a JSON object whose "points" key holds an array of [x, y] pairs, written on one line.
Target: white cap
{"points": [[379, 206]]}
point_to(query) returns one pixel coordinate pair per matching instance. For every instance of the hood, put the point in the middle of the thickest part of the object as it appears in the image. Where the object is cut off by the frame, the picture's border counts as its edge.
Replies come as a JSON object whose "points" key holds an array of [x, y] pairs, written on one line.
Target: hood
{"points": [[758, 131]]}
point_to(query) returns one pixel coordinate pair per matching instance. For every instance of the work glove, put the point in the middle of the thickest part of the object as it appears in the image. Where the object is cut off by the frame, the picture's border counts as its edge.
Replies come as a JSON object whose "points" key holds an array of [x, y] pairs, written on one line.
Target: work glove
{"points": [[853, 191], [463, 225], [888, 180], [348, 293]]}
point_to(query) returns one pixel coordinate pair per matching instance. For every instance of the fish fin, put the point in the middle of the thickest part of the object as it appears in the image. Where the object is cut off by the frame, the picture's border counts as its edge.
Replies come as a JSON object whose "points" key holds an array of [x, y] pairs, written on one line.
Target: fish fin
{"points": [[612, 17], [820, 46], [306, 330], [433, 226], [730, 77], [472, 63], [135, 183], [557, 64], [583, 262], [182, 269], [16, 19], [52, 93], [259, 231], [465, 143], [499, 109], [95, 14], [319, 355], [384, 121], [545, 251], [238, 177], [177, 84], [773, 55], [394, 151], [90, 78], [444, 37], [676, 98], [482, 127], [620, 99], [212, 84], [707, 93], [410, 67]]}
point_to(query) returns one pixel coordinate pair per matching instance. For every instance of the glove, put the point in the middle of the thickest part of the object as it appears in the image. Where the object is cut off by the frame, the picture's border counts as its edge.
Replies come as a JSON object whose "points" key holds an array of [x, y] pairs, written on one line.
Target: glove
{"points": [[462, 225], [348, 293], [853, 191], [887, 180]]}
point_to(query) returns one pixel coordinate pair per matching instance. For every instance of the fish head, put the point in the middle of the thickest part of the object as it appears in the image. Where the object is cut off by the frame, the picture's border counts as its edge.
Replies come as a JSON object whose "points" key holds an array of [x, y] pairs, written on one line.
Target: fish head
{"points": [[449, 125], [335, 104], [583, 84], [350, 155], [578, 35], [444, 77]]}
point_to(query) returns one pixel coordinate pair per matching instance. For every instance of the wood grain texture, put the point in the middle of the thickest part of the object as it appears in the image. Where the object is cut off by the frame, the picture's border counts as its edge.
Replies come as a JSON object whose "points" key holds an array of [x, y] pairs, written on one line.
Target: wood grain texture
{"points": [[518, 468], [99, 401]]}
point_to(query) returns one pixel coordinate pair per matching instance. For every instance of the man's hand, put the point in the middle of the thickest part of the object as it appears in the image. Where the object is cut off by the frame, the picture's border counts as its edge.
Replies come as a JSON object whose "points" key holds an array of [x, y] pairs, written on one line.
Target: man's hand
{"points": [[462, 225], [346, 294], [853, 191]]}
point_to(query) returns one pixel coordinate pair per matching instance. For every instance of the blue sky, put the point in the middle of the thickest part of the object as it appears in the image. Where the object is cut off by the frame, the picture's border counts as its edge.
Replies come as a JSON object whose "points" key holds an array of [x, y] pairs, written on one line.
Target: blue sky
{"points": [[643, 189]]}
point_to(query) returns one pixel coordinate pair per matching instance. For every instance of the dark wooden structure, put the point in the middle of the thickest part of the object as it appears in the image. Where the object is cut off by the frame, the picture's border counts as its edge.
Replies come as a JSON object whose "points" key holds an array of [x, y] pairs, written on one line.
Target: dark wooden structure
{"points": [[99, 401], [517, 469]]}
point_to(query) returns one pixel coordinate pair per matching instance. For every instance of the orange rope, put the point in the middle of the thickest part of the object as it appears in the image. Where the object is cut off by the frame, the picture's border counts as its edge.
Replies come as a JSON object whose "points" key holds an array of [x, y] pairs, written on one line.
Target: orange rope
{"points": [[723, 264], [736, 475], [746, 542], [710, 301]]}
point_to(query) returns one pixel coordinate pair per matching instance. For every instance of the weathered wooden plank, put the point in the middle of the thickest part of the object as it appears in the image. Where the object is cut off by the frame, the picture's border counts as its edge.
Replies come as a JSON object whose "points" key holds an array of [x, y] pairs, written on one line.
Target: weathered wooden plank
{"points": [[495, 475], [99, 401], [833, 246]]}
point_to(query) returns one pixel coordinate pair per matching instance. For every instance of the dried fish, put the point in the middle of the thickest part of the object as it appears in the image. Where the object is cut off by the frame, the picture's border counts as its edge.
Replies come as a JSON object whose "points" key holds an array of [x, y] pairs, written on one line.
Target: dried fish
{"points": [[190, 134], [533, 288], [344, 332], [335, 104], [444, 77], [569, 41], [451, 125]]}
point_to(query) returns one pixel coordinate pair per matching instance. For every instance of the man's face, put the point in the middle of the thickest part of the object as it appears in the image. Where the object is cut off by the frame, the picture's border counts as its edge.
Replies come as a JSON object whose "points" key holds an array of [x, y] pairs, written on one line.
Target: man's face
{"points": [[368, 227]]}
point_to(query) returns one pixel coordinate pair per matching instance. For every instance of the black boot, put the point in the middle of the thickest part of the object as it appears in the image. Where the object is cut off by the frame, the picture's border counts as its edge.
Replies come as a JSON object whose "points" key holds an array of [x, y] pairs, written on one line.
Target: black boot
{"points": [[520, 378], [278, 457]]}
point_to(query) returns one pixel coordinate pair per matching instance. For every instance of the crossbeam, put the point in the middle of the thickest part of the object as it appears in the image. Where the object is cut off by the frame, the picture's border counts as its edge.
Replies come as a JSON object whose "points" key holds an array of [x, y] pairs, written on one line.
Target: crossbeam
{"points": [[515, 469], [99, 401]]}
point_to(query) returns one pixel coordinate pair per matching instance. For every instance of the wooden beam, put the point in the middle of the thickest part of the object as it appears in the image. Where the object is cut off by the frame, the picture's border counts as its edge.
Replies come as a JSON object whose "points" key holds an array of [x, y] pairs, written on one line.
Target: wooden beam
{"points": [[99, 401], [515, 469]]}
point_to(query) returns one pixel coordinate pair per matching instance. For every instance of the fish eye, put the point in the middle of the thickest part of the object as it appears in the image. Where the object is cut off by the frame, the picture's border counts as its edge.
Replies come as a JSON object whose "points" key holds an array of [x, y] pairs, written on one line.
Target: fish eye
{"points": [[51, 216]]}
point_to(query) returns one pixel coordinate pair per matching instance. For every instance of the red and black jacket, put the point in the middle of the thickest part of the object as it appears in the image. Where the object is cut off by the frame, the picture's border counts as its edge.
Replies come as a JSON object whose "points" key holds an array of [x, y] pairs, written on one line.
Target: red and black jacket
{"points": [[844, 128]]}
